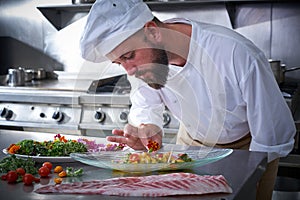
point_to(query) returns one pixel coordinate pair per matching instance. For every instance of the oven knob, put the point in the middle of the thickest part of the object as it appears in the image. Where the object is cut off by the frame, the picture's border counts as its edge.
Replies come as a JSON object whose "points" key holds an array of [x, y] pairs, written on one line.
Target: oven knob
{"points": [[58, 116], [123, 117], [99, 116], [166, 119], [6, 113]]}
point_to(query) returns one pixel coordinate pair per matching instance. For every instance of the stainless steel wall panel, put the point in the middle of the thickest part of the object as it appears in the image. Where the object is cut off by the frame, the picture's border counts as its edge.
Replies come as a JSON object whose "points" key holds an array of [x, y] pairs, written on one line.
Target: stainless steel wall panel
{"points": [[22, 32], [259, 34], [285, 36], [211, 13], [273, 26]]}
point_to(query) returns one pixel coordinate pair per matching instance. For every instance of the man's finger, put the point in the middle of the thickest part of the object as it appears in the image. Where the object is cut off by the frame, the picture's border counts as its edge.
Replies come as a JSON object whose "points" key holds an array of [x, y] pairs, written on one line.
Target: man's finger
{"points": [[129, 129], [121, 140], [118, 132]]}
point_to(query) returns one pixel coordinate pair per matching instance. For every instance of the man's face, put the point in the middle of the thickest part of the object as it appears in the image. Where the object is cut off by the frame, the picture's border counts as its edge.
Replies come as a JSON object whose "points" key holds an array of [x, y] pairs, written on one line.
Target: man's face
{"points": [[155, 73], [144, 60]]}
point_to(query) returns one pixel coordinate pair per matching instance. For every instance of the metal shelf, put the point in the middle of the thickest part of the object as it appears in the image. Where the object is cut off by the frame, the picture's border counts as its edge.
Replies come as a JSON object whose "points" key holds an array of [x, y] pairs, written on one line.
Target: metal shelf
{"points": [[62, 15]]}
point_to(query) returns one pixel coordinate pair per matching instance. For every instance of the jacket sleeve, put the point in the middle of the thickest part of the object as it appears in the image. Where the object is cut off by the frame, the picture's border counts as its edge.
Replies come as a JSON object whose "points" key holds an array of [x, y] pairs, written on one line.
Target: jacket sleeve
{"points": [[270, 120], [146, 104]]}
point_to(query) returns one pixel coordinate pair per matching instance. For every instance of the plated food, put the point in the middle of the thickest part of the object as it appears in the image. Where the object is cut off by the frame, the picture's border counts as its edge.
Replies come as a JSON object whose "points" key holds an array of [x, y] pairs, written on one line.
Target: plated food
{"points": [[153, 157], [58, 149], [60, 146], [139, 162], [40, 159]]}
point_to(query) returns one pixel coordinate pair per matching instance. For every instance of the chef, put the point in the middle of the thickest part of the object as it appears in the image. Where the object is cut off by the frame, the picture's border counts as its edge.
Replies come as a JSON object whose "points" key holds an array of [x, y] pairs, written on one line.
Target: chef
{"points": [[216, 82]]}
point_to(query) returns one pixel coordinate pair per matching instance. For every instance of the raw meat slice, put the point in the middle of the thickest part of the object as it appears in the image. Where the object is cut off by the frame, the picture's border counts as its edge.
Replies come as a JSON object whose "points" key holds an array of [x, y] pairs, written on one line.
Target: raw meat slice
{"points": [[154, 185]]}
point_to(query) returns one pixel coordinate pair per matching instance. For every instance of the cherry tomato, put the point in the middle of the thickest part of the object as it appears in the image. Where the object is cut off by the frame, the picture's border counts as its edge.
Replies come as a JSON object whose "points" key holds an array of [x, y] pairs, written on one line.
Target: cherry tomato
{"points": [[44, 171], [3, 177], [28, 179], [11, 176], [48, 165], [20, 171]]}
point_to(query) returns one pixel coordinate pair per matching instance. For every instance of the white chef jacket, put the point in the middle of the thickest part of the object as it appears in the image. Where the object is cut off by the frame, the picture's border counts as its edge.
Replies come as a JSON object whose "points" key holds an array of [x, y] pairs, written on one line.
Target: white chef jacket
{"points": [[225, 90]]}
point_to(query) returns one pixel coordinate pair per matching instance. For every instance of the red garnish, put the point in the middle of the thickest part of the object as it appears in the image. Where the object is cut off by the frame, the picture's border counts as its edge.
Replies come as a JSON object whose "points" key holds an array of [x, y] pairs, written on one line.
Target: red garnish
{"points": [[13, 148], [63, 139], [152, 146], [121, 146], [58, 137]]}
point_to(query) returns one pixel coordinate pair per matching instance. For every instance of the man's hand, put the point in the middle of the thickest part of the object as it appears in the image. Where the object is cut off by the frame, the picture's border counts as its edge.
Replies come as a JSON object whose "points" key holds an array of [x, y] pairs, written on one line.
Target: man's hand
{"points": [[137, 137]]}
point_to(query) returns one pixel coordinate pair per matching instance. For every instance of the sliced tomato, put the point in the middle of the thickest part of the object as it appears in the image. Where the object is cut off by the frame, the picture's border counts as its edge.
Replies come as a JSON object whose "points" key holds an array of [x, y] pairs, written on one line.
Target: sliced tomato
{"points": [[134, 157], [160, 155]]}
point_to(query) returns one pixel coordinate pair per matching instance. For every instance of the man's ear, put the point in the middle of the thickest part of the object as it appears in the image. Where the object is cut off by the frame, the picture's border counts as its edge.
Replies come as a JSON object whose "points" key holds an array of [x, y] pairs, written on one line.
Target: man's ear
{"points": [[152, 32]]}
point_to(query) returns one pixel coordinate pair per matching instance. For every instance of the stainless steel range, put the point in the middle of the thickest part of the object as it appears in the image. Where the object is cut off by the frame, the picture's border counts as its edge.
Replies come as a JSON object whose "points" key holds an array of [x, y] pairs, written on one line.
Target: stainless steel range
{"points": [[72, 105]]}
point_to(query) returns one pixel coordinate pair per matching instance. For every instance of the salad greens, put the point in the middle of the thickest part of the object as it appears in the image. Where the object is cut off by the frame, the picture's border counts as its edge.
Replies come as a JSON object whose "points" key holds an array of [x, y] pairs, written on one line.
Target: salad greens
{"points": [[12, 163], [60, 146], [57, 147], [74, 172]]}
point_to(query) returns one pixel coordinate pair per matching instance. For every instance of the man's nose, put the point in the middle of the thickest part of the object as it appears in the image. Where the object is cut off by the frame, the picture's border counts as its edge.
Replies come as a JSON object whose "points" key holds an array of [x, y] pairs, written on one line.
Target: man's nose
{"points": [[130, 69]]}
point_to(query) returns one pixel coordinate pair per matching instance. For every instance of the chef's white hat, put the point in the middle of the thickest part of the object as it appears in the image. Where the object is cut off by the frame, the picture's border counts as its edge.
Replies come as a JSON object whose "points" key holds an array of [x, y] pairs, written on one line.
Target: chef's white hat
{"points": [[109, 23]]}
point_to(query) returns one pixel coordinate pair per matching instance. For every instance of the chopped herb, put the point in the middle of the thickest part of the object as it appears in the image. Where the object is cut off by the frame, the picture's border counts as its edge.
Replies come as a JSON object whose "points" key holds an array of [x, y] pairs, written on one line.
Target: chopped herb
{"points": [[11, 162]]}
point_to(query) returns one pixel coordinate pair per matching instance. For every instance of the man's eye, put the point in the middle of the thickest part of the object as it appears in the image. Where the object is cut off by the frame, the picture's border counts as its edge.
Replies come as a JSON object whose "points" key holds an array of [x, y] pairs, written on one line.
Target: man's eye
{"points": [[128, 55]]}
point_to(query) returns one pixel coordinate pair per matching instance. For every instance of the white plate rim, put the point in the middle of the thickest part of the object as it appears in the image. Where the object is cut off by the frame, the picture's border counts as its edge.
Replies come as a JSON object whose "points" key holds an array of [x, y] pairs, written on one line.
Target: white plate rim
{"points": [[53, 159]]}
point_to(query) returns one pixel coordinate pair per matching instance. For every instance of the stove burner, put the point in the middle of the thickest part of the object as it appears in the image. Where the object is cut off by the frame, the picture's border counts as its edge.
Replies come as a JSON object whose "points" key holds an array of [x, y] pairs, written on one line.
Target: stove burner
{"points": [[117, 84]]}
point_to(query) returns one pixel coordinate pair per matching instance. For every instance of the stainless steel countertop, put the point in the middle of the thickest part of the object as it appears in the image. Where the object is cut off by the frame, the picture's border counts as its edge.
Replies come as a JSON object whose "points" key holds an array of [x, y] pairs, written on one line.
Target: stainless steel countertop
{"points": [[242, 169]]}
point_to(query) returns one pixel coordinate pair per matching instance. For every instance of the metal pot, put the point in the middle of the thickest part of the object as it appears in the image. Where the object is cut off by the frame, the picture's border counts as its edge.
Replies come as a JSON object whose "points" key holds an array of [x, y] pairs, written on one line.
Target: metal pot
{"points": [[279, 70], [39, 74], [16, 77], [29, 75], [289, 70]]}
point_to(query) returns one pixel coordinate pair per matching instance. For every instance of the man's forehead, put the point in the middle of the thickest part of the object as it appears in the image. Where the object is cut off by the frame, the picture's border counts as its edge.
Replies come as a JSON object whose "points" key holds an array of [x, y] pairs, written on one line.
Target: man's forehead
{"points": [[120, 50], [130, 44]]}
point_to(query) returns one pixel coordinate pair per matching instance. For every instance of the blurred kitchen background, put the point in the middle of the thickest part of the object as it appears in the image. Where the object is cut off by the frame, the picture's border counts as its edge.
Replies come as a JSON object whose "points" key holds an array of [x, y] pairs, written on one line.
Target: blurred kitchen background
{"points": [[44, 34]]}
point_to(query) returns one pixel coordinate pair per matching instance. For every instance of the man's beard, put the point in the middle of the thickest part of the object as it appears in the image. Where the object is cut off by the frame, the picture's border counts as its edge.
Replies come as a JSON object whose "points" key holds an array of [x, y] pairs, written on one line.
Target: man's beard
{"points": [[159, 69]]}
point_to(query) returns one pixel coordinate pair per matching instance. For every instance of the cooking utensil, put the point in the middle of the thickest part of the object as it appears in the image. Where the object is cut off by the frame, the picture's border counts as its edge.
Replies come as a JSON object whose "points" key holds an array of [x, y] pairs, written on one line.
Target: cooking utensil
{"points": [[279, 70], [29, 75], [170, 156], [16, 77], [3, 79], [39, 74], [287, 70], [275, 66]]}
